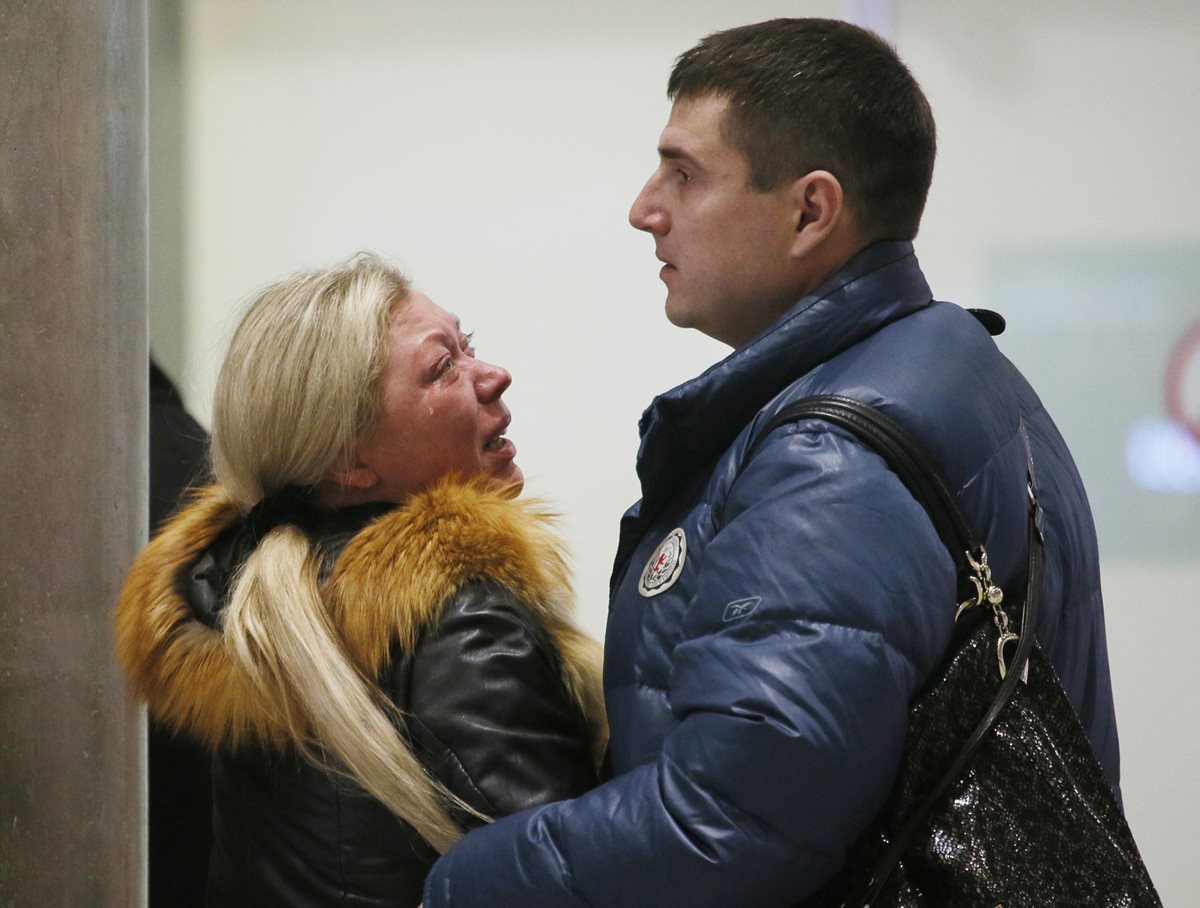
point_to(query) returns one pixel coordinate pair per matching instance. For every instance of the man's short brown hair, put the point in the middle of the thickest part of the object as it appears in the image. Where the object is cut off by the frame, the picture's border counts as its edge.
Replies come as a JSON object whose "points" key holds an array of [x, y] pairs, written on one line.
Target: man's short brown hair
{"points": [[820, 94]]}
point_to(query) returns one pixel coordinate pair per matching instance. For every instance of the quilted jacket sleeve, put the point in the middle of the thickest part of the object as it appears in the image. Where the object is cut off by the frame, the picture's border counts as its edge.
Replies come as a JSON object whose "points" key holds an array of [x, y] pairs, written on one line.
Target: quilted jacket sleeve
{"points": [[488, 710], [791, 720]]}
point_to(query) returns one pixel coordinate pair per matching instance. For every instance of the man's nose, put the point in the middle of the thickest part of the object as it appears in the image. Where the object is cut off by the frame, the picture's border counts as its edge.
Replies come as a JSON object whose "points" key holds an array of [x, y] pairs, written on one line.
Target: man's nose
{"points": [[647, 212]]}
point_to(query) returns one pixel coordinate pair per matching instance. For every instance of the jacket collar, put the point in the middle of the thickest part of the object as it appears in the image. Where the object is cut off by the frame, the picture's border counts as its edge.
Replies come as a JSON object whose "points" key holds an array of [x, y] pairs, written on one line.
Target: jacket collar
{"points": [[687, 427], [388, 586]]}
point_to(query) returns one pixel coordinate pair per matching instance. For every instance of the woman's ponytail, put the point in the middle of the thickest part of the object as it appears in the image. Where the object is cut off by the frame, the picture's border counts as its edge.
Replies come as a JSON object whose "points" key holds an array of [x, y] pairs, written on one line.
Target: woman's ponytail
{"points": [[277, 628]]}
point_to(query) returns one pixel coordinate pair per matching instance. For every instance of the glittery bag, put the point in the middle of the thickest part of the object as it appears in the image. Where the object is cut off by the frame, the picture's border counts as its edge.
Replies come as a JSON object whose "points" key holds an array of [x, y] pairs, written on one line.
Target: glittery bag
{"points": [[1029, 821], [999, 801]]}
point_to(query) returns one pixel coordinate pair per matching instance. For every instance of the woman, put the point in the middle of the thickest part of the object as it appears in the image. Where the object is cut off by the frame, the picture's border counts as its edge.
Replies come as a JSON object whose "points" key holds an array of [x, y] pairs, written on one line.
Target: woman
{"points": [[358, 617]]}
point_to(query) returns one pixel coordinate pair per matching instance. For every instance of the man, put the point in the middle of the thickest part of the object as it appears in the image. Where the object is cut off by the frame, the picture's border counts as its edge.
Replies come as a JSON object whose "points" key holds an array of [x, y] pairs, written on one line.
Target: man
{"points": [[772, 616]]}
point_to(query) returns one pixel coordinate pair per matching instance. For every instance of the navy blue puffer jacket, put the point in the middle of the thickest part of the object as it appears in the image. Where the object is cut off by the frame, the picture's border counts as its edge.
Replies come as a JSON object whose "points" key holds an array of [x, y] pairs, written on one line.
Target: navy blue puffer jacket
{"points": [[772, 617]]}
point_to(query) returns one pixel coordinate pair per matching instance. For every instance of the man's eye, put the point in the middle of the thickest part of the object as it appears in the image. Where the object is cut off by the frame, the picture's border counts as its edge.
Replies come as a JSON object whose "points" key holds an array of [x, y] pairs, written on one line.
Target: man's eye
{"points": [[465, 343], [684, 175]]}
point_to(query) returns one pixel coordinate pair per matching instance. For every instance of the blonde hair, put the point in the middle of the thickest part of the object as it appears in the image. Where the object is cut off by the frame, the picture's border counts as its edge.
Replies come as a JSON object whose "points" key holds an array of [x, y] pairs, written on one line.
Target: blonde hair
{"points": [[299, 388], [299, 385]]}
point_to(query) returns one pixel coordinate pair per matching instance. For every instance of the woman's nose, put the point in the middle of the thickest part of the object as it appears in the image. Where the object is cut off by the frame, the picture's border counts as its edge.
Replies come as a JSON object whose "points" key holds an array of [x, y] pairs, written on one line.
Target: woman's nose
{"points": [[491, 380]]}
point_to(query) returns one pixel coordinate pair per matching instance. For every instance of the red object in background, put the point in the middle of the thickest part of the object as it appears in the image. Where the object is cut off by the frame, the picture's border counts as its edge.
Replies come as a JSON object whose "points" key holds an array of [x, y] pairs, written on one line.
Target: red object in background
{"points": [[1183, 398]]}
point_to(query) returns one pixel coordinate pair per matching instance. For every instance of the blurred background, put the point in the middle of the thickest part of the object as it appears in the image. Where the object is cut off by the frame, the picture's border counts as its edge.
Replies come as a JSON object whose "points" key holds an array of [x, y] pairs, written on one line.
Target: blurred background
{"points": [[493, 149]]}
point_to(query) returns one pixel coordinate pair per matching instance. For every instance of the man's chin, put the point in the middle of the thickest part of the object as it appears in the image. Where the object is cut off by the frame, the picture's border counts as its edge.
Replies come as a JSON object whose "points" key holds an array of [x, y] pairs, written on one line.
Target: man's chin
{"points": [[678, 312]]}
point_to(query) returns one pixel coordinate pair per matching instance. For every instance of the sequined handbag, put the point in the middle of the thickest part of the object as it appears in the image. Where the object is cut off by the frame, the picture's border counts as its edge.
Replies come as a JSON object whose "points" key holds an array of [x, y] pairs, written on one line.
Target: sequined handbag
{"points": [[999, 801]]}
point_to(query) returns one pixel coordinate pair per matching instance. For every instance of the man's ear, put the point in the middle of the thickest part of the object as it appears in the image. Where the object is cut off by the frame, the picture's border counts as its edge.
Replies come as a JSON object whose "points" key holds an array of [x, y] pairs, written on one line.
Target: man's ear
{"points": [[819, 207], [358, 476]]}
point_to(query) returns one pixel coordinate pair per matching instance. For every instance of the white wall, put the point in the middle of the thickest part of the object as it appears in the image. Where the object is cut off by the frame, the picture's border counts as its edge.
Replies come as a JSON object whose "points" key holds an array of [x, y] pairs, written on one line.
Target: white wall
{"points": [[494, 148]]}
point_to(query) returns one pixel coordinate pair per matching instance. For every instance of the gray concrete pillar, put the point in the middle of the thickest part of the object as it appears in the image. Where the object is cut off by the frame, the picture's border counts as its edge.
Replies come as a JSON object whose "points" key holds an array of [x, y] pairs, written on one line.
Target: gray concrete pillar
{"points": [[73, 443]]}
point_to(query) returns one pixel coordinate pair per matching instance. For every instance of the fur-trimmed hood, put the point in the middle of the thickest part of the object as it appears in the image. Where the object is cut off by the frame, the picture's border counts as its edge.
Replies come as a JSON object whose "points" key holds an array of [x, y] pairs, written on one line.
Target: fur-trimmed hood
{"points": [[388, 586]]}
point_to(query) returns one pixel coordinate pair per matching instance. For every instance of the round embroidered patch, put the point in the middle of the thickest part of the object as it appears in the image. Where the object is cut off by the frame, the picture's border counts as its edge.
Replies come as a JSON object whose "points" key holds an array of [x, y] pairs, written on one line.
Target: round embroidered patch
{"points": [[665, 565]]}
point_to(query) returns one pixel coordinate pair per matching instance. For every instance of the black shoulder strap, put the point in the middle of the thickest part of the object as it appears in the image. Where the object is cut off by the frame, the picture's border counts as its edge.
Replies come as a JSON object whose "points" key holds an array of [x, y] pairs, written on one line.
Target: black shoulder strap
{"points": [[905, 456]]}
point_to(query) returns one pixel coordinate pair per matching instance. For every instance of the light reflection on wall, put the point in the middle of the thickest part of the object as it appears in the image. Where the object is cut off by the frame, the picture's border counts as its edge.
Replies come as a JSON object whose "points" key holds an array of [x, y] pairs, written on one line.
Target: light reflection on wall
{"points": [[1096, 330], [1162, 456]]}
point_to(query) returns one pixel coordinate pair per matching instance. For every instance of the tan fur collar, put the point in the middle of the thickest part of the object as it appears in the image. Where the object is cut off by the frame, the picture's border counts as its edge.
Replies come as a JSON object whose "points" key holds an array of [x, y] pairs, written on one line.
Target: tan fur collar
{"points": [[388, 585]]}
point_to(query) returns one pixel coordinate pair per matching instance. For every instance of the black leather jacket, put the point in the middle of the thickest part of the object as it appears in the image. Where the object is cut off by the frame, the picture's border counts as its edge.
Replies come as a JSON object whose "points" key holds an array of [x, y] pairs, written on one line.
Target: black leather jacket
{"points": [[486, 711]]}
